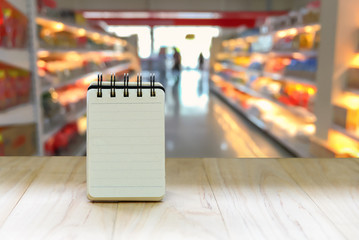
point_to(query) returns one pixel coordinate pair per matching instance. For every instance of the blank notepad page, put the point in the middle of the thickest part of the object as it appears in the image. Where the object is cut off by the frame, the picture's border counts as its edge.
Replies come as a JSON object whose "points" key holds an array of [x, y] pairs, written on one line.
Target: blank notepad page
{"points": [[125, 147]]}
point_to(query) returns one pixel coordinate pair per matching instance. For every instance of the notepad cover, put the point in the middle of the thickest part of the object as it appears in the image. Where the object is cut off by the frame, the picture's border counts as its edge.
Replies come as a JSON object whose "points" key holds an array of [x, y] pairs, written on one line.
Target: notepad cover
{"points": [[125, 144]]}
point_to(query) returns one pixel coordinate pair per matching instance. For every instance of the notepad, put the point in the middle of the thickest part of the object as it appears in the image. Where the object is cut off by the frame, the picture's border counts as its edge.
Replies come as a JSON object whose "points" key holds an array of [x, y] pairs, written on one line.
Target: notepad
{"points": [[125, 141]]}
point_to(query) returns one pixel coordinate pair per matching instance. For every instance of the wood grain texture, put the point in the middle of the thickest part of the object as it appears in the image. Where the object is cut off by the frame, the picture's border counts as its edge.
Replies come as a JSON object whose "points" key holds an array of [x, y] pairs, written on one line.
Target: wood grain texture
{"points": [[333, 184], [55, 206], [16, 175], [188, 211], [258, 200], [45, 198]]}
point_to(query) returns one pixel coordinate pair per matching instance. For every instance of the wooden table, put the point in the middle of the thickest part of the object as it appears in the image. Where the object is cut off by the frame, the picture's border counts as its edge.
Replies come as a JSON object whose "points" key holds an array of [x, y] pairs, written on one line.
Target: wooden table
{"points": [[45, 198]]}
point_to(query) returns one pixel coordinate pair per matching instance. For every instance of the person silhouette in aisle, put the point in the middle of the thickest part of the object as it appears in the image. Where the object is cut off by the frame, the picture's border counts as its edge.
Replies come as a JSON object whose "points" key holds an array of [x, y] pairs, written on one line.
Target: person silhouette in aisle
{"points": [[176, 60], [200, 61], [176, 69]]}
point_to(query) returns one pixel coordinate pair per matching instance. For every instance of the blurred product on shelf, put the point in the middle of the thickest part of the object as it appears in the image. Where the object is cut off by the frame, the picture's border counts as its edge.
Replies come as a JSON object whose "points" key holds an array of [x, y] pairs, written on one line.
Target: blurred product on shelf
{"points": [[66, 15], [15, 86], [58, 68], [19, 140], [353, 78], [277, 65], [294, 94], [346, 112], [53, 34], [342, 145], [66, 141], [54, 113], [305, 16], [242, 61], [61, 104], [13, 27], [302, 39], [306, 68]]}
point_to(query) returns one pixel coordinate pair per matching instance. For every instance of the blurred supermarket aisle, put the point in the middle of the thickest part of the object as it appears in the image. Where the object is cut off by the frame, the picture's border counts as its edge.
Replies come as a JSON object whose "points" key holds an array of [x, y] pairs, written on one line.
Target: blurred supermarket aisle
{"points": [[194, 114]]}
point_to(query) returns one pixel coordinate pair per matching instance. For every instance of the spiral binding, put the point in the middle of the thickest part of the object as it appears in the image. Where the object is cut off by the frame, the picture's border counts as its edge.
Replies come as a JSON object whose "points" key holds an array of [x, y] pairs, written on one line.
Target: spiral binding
{"points": [[126, 80], [113, 92], [152, 84], [139, 85], [99, 84]]}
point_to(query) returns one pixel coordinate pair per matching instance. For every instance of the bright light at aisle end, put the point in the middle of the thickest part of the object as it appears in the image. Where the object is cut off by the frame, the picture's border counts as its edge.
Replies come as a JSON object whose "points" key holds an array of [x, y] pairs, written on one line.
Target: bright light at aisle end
{"points": [[143, 33], [174, 36]]}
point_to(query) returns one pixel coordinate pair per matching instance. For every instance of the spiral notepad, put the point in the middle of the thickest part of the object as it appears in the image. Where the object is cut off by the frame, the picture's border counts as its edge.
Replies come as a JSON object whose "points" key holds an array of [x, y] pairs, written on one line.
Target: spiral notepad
{"points": [[125, 140]]}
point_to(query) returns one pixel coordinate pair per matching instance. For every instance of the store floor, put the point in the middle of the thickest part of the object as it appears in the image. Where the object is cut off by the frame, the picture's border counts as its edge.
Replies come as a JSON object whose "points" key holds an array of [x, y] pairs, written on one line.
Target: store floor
{"points": [[198, 124]]}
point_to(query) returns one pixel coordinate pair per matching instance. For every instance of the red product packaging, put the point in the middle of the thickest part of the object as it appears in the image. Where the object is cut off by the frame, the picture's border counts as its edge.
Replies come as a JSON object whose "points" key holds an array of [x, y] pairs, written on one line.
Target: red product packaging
{"points": [[23, 85], [10, 87], [2, 26], [2, 89], [50, 146], [81, 41], [13, 26], [61, 141]]}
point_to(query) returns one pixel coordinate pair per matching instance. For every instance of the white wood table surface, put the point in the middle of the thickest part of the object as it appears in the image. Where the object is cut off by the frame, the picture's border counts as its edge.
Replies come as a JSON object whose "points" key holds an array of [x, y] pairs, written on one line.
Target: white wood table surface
{"points": [[45, 198]]}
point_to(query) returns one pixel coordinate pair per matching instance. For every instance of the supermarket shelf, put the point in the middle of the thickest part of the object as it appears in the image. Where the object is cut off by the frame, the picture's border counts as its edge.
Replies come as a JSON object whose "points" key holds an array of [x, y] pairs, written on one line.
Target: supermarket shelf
{"points": [[117, 68], [69, 119], [76, 116], [52, 132], [297, 149], [353, 91], [347, 133], [81, 150], [80, 113], [68, 82], [306, 54], [71, 25], [299, 27], [281, 77], [19, 5], [299, 80], [296, 111], [78, 50], [21, 114], [279, 53], [244, 69], [77, 147], [274, 76], [15, 57]]}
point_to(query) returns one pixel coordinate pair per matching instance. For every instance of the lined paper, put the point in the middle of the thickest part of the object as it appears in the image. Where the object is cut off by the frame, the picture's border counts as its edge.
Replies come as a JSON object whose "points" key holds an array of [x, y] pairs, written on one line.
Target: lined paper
{"points": [[125, 147]]}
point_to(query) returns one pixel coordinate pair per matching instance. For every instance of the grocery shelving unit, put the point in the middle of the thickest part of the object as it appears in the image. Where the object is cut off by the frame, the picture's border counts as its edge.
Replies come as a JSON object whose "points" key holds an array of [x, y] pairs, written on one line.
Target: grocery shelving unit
{"points": [[21, 114], [235, 79], [337, 100], [27, 59], [330, 127], [19, 57]]}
